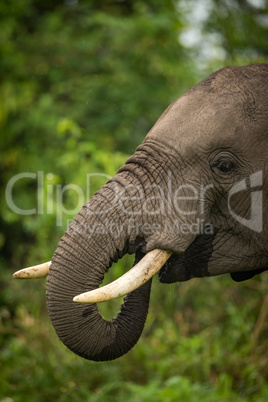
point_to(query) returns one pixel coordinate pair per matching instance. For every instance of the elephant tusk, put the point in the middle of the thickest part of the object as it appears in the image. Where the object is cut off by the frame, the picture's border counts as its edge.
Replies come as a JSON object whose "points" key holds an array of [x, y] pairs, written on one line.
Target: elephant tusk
{"points": [[38, 271], [150, 264]]}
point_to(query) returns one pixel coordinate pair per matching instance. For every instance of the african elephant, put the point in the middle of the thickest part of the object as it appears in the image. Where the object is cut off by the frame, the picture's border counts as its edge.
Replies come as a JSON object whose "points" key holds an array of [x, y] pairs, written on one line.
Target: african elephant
{"points": [[196, 187]]}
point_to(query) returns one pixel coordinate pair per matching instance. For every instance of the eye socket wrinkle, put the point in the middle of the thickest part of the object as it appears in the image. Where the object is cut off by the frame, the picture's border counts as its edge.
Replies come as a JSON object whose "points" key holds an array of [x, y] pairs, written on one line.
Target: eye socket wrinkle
{"points": [[227, 162]]}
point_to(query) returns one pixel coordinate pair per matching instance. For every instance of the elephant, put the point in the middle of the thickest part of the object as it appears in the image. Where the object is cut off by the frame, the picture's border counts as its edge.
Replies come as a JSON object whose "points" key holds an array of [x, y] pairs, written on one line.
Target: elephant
{"points": [[195, 190]]}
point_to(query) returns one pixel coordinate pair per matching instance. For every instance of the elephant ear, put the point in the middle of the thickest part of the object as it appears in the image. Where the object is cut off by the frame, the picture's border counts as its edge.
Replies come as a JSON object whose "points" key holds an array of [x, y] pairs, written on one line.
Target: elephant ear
{"points": [[243, 276]]}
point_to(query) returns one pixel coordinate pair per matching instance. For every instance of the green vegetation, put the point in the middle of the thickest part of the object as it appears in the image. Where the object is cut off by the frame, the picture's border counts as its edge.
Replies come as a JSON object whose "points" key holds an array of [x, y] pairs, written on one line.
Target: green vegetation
{"points": [[81, 83]]}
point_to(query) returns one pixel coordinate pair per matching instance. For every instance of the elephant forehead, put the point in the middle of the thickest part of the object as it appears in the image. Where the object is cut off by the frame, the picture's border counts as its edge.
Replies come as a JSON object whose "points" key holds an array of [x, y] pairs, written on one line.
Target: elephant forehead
{"points": [[196, 119]]}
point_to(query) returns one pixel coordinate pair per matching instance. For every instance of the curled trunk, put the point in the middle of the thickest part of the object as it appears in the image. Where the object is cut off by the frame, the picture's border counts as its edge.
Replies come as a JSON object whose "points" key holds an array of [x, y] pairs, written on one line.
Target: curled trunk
{"points": [[85, 252]]}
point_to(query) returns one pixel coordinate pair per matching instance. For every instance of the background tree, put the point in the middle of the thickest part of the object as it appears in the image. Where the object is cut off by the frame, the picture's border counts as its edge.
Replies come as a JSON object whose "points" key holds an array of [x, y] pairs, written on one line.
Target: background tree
{"points": [[81, 83]]}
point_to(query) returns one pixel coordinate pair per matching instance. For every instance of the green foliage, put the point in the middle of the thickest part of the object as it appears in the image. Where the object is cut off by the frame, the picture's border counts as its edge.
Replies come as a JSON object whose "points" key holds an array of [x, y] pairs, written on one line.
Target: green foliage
{"points": [[243, 26], [219, 33], [81, 82], [205, 340]]}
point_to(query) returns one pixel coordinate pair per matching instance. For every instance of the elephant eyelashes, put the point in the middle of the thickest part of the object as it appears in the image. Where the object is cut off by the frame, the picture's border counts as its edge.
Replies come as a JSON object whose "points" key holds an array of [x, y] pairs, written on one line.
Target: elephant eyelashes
{"points": [[223, 166]]}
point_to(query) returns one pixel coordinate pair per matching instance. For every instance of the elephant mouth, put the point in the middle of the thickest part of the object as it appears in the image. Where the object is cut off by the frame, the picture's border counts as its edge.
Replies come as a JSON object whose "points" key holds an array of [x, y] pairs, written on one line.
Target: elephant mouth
{"points": [[145, 266], [175, 267], [190, 264]]}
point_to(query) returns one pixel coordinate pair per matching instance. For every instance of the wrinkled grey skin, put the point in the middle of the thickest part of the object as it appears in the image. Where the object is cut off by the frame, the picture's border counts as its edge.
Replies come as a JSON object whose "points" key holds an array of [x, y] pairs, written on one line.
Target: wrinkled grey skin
{"points": [[207, 141]]}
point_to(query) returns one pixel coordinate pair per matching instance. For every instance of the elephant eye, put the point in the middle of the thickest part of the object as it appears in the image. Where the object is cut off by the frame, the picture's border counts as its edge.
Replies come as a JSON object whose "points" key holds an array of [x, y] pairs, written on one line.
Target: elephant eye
{"points": [[223, 166]]}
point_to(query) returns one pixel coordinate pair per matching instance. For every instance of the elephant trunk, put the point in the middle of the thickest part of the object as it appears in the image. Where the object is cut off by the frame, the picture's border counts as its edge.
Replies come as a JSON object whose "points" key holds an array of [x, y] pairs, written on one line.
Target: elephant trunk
{"points": [[98, 236]]}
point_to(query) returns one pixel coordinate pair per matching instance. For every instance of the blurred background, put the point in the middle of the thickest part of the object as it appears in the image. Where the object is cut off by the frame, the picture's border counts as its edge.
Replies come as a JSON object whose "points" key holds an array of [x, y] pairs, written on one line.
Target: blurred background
{"points": [[81, 83]]}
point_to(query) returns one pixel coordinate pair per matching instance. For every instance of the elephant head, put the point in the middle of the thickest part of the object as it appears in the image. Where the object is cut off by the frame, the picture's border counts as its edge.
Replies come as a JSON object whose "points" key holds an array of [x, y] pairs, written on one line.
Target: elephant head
{"points": [[196, 186]]}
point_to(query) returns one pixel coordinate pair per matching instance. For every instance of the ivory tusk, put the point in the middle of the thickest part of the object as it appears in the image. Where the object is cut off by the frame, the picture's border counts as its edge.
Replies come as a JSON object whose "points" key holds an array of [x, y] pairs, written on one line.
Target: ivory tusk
{"points": [[38, 271], [131, 280]]}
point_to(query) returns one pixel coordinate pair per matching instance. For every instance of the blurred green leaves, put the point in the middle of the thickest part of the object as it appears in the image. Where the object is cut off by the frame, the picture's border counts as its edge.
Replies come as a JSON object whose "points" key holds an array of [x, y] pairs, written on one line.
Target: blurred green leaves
{"points": [[80, 88], [81, 83]]}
